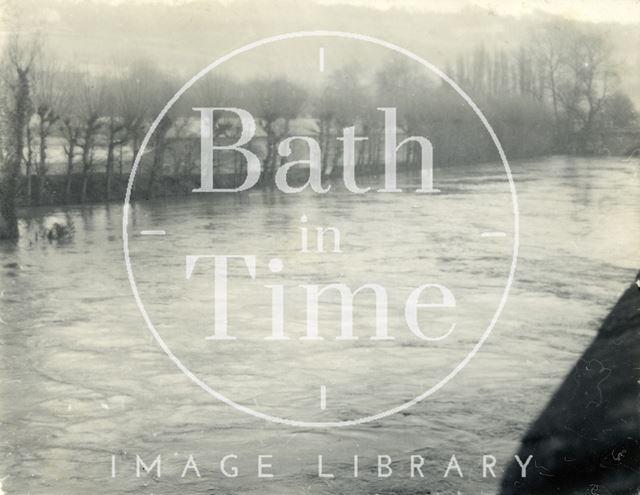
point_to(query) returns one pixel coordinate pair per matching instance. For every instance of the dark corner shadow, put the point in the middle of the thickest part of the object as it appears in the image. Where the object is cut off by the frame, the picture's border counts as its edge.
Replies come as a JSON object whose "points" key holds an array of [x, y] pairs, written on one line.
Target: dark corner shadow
{"points": [[587, 439]]}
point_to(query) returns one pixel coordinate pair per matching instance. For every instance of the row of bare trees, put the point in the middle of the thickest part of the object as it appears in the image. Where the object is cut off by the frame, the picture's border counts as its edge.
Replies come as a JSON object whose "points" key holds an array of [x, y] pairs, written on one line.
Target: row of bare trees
{"points": [[567, 67], [561, 86]]}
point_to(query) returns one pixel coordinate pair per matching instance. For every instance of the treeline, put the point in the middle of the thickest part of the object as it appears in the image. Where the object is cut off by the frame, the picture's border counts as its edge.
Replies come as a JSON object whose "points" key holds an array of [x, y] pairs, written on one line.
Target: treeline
{"points": [[70, 137], [567, 69]]}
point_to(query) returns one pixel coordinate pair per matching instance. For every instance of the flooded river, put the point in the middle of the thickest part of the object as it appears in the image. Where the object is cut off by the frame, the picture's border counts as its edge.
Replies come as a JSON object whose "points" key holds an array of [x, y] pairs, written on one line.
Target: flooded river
{"points": [[84, 386]]}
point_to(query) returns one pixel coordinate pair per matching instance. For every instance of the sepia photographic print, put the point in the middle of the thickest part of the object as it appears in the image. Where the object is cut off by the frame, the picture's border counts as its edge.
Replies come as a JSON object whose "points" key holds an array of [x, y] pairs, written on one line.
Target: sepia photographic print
{"points": [[363, 247]]}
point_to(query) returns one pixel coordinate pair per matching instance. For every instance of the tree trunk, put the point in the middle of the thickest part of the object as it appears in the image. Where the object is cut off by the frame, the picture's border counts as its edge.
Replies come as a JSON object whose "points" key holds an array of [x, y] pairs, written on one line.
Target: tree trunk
{"points": [[29, 165], [87, 160], [158, 158], [85, 171], [121, 163], [67, 192], [83, 192], [109, 171], [8, 215], [267, 169], [67, 189], [42, 168], [8, 193], [158, 154], [325, 140], [11, 166]]}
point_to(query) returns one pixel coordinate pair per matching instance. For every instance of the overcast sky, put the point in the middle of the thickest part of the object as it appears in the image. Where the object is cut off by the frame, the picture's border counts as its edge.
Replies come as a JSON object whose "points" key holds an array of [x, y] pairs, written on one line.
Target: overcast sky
{"points": [[623, 11], [626, 11]]}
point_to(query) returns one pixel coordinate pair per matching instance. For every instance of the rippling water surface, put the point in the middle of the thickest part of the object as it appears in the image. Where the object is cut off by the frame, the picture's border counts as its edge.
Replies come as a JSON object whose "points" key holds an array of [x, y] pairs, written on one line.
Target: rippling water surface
{"points": [[82, 379]]}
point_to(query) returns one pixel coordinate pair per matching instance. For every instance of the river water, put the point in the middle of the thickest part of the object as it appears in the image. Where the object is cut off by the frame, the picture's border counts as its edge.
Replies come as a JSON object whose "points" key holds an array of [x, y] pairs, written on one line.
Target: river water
{"points": [[82, 379]]}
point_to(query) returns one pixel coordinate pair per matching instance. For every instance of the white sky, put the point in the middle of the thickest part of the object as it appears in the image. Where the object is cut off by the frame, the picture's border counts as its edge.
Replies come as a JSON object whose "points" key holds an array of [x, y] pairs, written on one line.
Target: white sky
{"points": [[623, 11]]}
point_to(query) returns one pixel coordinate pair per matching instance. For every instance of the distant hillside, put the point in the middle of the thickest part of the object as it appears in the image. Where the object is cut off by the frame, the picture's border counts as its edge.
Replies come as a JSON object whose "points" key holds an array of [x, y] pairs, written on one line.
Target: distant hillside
{"points": [[186, 36]]}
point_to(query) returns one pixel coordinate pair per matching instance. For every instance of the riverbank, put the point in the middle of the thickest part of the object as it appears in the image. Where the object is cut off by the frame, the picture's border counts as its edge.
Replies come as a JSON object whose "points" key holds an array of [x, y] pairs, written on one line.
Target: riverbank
{"points": [[59, 190], [587, 439]]}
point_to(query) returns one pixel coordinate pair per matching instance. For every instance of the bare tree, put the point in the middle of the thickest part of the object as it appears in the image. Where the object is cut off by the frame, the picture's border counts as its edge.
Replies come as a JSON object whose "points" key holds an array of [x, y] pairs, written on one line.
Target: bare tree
{"points": [[401, 85], [69, 124], [49, 95], [16, 109], [549, 43], [341, 104], [163, 90], [91, 105], [71, 129], [274, 101], [121, 121], [134, 107], [291, 108], [589, 81], [215, 90]]}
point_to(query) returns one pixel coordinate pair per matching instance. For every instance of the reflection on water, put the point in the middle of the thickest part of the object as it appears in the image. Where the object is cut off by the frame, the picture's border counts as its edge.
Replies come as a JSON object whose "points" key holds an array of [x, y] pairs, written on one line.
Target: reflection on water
{"points": [[81, 378]]}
